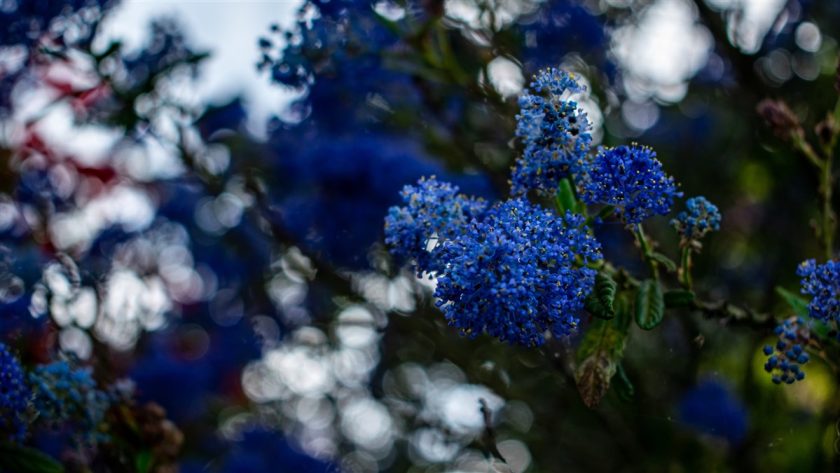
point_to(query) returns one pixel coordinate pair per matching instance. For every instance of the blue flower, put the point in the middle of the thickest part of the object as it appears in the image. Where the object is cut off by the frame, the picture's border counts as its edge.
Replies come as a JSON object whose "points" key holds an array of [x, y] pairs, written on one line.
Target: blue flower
{"points": [[333, 195], [261, 450], [699, 218], [554, 130], [631, 179], [557, 28], [67, 397], [517, 273], [434, 212], [786, 357], [712, 409], [822, 282], [14, 397]]}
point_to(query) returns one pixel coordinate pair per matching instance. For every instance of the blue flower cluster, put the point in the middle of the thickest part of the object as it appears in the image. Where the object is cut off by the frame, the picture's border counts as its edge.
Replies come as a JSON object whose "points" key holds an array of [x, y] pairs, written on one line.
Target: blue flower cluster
{"points": [[14, 397], [699, 218], [434, 212], [517, 273], [822, 283], [632, 180], [786, 358], [65, 396], [554, 130]]}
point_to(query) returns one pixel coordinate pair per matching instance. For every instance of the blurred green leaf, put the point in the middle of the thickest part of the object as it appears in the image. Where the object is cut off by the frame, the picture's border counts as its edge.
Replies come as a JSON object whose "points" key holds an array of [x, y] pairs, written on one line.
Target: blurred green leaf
{"points": [[623, 386], [796, 302], [143, 461], [566, 201], [678, 298], [664, 261], [20, 459], [650, 305]]}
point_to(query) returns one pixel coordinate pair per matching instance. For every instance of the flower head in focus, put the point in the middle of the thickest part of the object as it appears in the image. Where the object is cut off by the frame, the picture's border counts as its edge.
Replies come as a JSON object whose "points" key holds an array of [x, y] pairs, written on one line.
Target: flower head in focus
{"points": [[554, 131], [434, 211], [517, 273], [632, 180]]}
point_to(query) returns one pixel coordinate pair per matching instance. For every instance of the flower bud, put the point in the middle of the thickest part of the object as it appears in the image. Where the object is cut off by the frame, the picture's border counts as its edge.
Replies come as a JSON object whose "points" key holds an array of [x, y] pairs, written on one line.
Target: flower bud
{"points": [[780, 118]]}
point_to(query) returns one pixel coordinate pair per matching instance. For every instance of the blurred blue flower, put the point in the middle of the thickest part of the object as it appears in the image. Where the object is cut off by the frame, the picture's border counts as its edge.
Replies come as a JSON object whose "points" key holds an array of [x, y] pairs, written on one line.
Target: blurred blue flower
{"points": [[14, 397], [181, 387], [261, 450], [339, 191], [711, 408], [66, 397], [786, 357], [559, 28]]}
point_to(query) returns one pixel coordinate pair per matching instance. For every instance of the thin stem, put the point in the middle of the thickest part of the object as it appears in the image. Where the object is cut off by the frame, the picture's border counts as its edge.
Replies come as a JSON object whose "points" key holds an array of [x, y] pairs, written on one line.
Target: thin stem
{"points": [[647, 252], [685, 267], [828, 216], [806, 149]]}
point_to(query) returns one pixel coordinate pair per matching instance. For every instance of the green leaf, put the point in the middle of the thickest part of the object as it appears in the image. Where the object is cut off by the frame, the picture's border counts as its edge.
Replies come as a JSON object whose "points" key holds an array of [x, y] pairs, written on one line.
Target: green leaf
{"points": [[600, 300], [623, 311], [598, 356], [650, 305], [565, 198], [20, 459], [679, 298], [796, 302], [664, 261]]}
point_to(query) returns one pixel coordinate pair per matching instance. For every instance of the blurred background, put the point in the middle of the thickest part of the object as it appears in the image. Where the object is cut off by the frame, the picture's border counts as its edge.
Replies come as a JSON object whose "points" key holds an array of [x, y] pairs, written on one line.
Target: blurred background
{"points": [[192, 197]]}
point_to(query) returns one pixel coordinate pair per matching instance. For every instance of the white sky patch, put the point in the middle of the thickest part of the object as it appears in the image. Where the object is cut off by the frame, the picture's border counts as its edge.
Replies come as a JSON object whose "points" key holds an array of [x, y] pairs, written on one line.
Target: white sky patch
{"points": [[229, 31], [123, 205], [90, 145], [505, 76], [663, 51], [754, 19]]}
